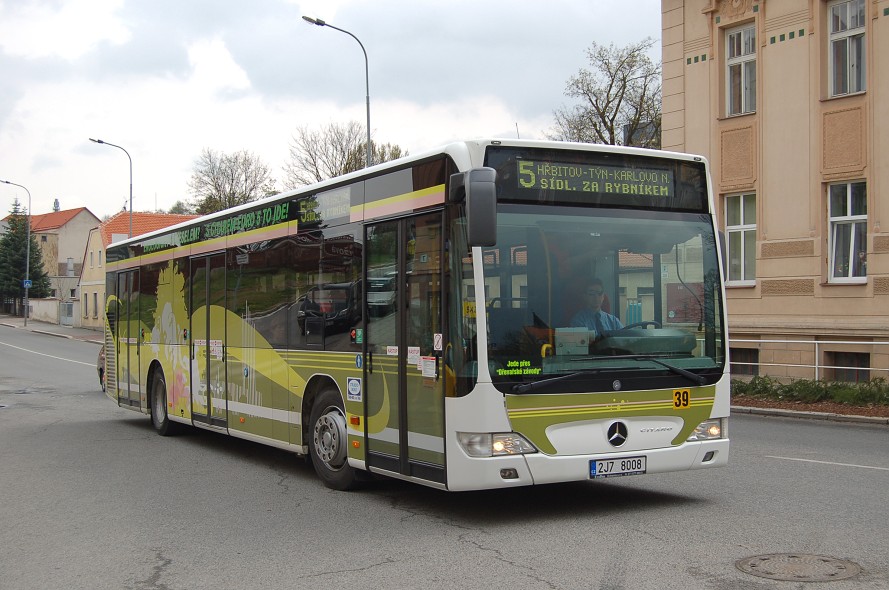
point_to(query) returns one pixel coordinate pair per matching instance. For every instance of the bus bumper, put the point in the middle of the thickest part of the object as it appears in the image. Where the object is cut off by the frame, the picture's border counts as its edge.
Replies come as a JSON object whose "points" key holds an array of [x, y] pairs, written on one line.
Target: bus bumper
{"points": [[468, 473]]}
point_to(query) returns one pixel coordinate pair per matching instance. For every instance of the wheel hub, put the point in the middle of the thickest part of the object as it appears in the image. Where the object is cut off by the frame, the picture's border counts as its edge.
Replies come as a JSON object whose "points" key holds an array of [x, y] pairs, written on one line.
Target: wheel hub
{"points": [[329, 438]]}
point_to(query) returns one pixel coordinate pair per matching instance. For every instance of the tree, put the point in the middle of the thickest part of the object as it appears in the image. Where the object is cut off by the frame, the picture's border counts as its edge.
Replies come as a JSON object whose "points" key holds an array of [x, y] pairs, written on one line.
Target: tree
{"points": [[180, 208], [13, 249], [620, 98], [221, 180], [334, 150]]}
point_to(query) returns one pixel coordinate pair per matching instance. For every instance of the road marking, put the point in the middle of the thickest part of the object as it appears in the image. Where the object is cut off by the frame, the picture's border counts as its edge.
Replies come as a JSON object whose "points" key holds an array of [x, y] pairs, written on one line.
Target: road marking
{"points": [[828, 463], [48, 355]]}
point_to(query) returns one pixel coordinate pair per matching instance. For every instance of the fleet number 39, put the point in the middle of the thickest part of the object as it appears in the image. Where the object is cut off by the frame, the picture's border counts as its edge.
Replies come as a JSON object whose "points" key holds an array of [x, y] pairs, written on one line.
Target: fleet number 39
{"points": [[681, 399]]}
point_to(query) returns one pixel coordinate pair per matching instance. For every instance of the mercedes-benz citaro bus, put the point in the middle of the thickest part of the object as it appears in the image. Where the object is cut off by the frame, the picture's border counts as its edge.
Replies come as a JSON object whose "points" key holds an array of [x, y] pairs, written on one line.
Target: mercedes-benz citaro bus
{"points": [[557, 315]]}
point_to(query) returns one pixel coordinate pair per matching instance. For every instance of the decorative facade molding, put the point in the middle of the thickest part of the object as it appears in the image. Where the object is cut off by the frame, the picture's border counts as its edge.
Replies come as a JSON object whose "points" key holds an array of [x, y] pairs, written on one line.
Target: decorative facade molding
{"points": [[778, 287], [791, 249]]}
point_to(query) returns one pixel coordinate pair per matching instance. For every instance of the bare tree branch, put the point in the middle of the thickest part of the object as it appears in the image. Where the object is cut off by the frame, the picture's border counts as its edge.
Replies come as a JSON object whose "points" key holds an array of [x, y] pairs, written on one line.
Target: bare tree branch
{"points": [[334, 150], [221, 180], [619, 98]]}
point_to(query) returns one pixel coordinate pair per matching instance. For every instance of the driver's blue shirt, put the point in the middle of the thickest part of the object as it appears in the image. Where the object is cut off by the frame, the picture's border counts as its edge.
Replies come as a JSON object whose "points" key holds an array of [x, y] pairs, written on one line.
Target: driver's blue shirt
{"points": [[586, 318]]}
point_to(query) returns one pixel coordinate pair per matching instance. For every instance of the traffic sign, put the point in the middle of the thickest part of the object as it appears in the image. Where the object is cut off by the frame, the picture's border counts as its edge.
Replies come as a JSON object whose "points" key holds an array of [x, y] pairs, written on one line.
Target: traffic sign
{"points": [[28, 284]]}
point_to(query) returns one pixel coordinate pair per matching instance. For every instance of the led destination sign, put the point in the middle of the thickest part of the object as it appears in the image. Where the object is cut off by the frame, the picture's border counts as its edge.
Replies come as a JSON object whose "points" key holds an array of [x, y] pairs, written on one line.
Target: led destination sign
{"points": [[601, 179]]}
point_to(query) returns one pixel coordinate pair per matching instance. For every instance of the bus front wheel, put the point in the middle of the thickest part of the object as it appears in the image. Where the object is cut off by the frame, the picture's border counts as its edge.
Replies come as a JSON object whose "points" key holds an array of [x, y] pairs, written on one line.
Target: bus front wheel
{"points": [[328, 441], [159, 418]]}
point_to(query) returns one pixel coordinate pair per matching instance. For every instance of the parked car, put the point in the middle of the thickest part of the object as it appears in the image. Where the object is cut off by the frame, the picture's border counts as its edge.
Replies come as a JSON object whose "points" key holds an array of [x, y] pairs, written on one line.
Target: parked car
{"points": [[381, 295], [336, 305]]}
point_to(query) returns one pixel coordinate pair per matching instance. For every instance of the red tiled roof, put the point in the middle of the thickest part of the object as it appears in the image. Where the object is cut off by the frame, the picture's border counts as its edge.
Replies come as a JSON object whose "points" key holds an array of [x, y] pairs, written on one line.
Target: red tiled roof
{"points": [[54, 220], [633, 260], [142, 223]]}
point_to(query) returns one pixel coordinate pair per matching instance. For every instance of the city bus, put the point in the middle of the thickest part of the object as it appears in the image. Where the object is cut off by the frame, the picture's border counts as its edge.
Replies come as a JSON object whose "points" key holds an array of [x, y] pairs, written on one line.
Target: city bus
{"points": [[416, 319]]}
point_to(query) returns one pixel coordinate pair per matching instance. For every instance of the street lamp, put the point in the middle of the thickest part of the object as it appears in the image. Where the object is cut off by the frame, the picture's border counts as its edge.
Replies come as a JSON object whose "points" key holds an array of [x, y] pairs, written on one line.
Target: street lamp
{"points": [[131, 178], [321, 23], [27, 249]]}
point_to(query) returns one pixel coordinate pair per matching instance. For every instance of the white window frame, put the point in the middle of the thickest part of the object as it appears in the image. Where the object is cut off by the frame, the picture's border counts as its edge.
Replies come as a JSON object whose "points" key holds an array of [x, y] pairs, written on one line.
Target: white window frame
{"points": [[740, 52], [743, 228], [845, 29], [843, 219]]}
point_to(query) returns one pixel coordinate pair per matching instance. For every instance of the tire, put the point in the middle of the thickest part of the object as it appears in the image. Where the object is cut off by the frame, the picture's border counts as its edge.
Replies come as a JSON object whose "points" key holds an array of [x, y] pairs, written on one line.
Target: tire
{"points": [[328, 441], [159, 418]]}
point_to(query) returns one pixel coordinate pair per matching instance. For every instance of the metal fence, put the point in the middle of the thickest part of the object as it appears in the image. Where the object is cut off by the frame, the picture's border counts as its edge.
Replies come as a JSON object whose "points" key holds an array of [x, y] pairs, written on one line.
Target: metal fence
{"points": [[798, 358]]}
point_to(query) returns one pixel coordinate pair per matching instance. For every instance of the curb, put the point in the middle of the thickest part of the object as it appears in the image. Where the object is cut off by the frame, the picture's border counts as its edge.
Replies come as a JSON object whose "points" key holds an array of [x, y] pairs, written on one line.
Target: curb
{"points": [[50, 333], [827, 416]]}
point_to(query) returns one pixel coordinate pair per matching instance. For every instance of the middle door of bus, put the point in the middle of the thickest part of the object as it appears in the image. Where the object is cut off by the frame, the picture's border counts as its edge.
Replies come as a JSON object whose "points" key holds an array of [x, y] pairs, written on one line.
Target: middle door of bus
{"points": [[403, 339], [208, 376]]}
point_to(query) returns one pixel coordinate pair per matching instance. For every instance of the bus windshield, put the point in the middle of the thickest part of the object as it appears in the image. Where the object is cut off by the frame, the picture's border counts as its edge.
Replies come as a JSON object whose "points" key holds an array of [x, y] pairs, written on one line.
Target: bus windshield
{"points": [[616, 294]]}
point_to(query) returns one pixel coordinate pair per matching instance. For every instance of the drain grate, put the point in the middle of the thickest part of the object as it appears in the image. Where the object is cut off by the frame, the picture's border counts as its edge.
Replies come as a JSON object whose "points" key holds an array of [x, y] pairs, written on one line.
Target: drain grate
{"points": [[798, 567]]}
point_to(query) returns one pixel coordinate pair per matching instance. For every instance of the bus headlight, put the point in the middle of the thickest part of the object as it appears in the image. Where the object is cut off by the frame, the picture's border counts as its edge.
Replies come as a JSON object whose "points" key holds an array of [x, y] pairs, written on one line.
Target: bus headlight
{"points": [[497, 444], [709, 430]]}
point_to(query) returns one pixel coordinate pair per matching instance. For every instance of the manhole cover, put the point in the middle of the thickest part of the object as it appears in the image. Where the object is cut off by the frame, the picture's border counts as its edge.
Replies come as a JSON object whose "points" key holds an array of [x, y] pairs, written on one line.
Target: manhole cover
{"points": [[798, 567]]}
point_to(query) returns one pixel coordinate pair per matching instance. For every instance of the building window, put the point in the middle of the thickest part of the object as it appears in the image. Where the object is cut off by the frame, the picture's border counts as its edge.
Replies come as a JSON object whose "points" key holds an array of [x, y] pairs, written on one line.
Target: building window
{"points": [[847, 209], [86, 307], [91, 259], [851, 367], [740, 227], [741, 70], [745, 361], [100, 258], [846, 53], [95, 305], [73, 293]]}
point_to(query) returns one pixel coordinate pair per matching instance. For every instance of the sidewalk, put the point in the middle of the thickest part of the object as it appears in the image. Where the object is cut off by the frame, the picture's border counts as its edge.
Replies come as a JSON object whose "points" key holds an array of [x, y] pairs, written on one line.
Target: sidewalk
{"points": [[39, 327]]}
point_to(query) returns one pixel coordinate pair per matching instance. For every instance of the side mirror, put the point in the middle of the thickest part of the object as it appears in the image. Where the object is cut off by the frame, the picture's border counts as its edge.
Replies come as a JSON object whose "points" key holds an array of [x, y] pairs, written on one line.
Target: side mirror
{"points": [[478, 187]]}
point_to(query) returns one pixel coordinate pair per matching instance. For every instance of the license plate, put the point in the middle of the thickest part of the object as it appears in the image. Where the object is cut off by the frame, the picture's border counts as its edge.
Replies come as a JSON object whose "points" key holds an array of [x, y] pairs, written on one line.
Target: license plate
{"points": [[617, 467]]}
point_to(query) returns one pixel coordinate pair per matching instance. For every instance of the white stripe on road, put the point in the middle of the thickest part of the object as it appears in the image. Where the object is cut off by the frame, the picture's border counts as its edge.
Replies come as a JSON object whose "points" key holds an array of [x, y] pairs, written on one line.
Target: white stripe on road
{"points": [[828, 463], [49, 355]]}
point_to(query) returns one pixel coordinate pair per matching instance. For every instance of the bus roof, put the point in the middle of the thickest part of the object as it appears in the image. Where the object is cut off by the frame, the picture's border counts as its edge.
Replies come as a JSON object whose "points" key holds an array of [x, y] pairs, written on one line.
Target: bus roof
{"points": [[464, 153]]}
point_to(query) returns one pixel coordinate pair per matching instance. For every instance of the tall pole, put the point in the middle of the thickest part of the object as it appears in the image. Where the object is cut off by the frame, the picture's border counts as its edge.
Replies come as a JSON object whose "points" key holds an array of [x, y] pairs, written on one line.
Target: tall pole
{"points": [[321, 23], [131, 177], [27, 249]]}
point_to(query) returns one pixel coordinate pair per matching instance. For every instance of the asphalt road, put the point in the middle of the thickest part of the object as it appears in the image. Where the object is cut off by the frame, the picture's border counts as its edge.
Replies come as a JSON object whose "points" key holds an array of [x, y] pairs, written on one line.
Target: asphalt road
{"points": [[91, 498]]}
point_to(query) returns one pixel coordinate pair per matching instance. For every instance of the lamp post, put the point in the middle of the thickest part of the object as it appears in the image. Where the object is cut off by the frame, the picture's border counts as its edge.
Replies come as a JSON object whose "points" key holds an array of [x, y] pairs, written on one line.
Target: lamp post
{"points": [[27, 249], [321, 23], [131, 178]]}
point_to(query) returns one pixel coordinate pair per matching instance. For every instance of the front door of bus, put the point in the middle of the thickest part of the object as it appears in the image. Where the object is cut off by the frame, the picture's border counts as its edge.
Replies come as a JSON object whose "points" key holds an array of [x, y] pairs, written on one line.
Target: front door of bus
{"points": [[403, 347], [207, 293]]}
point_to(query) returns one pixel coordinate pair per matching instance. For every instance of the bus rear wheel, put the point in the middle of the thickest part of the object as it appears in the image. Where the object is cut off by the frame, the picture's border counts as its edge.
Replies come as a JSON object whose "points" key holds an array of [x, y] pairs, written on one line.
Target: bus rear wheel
{"points": [[328, 442], [159, 418]]}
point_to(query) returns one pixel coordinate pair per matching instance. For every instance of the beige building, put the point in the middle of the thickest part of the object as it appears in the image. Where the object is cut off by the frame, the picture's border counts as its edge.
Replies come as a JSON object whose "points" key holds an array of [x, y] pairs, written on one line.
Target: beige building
{"points": [[789, 100], [60, 235], [92, 278]]}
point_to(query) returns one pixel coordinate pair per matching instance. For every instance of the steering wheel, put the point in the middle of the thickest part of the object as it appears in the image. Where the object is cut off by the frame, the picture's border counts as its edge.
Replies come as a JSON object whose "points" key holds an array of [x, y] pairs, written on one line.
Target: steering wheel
{"points": [[643, 325]]}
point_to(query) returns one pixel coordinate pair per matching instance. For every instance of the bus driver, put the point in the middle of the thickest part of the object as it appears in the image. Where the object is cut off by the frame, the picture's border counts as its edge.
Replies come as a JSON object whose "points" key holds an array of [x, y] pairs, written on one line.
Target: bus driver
{"points": [[592, 317]]}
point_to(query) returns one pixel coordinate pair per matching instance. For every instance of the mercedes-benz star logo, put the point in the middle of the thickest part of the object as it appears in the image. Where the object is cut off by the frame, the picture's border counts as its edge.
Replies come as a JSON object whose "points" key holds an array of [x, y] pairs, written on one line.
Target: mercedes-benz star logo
{"points": [[617, 434]]}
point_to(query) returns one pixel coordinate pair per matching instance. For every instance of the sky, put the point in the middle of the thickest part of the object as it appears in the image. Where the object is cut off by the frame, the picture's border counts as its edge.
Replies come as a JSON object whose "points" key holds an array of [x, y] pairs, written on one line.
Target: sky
{"points": [[164, 79]]}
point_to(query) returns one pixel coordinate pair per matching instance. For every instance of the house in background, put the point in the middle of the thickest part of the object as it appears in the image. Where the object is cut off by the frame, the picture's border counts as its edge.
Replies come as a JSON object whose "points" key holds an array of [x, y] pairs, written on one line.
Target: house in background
{"points": [[92, 277], [60, 235], [789, 100]]}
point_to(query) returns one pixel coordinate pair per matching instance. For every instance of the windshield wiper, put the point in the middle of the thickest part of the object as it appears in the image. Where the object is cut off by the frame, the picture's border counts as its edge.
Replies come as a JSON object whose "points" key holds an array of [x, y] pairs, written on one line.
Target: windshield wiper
{"points": [[534, 385], [700, 380], [526, 387]]}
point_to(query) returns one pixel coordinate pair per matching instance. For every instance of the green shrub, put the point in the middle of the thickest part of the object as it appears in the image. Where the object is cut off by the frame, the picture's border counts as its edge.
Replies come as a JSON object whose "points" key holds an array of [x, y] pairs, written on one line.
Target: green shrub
{"points": [[874, 392]]}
